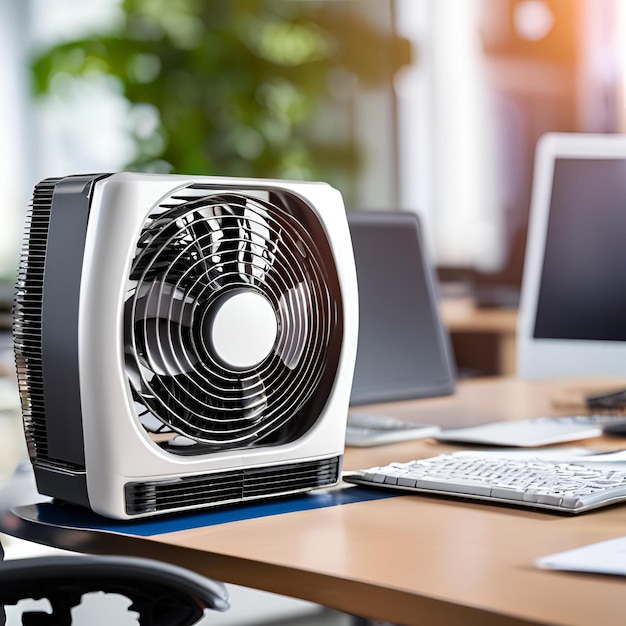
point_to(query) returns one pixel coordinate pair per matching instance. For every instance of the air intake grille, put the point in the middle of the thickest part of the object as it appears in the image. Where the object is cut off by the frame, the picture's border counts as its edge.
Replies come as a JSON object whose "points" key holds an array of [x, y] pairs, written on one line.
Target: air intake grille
{"points": [[229, 487], [27, 311], [206, 256]]}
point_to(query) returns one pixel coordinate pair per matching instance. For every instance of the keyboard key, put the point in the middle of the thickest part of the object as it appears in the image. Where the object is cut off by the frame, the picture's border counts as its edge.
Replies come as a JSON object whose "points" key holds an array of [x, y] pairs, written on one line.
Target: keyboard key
{"points": [[471, 487], [508, 493]]}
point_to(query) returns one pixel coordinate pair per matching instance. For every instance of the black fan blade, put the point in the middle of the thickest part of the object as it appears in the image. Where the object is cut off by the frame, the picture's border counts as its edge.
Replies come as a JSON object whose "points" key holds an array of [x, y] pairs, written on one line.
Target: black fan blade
{"points": [[162, 319], [293, 313]]}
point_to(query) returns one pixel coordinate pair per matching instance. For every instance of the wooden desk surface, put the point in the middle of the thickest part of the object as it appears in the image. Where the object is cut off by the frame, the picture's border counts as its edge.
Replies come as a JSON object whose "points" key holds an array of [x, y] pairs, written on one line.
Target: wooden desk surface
{"points": [[406, 559]]}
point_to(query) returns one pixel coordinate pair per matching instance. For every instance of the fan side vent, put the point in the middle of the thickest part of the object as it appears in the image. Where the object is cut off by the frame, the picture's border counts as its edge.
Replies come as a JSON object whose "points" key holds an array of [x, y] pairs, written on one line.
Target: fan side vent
{"points": [[229, 487], [27, 315]]}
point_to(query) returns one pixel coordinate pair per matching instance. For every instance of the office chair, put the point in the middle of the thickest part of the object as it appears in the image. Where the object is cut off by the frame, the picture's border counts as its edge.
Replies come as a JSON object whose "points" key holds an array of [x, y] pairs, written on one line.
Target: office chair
{"points": [[161, 594]]}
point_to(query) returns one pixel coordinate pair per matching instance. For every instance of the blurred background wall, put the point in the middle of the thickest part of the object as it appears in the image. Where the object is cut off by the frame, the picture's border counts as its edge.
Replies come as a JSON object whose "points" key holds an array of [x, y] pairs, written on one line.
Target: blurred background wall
{"points": [[426, 105]]}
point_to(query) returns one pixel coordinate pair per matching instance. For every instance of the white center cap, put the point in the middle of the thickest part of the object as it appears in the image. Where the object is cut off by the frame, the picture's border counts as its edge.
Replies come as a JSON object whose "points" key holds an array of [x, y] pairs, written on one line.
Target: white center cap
{"points": [[243, 330]]}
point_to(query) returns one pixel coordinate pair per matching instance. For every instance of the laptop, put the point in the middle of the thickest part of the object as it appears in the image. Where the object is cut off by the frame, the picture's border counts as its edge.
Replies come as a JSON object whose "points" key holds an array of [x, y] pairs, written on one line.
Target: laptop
{"points": [[404, 349]]}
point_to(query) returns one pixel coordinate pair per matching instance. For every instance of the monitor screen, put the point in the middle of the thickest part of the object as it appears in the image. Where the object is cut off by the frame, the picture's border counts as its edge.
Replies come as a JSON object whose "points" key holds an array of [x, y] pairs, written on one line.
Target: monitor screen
{"points": [[403, 348], [582, 294], [572, 318]]}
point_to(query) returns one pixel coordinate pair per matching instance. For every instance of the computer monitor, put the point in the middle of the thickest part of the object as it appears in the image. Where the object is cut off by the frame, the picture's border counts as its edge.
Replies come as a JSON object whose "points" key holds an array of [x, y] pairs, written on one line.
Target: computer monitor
{"points": [[403, 347], [572, 318]]}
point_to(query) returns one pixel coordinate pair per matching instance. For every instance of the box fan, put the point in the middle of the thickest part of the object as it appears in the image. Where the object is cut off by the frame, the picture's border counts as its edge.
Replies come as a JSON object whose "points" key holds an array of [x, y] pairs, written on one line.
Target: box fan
{"points": [[183, 342]]}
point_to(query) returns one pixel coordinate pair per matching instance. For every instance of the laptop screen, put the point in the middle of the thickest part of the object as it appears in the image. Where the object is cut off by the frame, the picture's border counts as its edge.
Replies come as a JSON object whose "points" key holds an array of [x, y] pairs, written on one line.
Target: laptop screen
{"points": [[403, 350]]}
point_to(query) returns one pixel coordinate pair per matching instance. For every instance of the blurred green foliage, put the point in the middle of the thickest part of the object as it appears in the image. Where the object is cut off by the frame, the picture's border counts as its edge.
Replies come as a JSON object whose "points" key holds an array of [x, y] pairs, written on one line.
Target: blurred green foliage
{"points": [[232, 87]]}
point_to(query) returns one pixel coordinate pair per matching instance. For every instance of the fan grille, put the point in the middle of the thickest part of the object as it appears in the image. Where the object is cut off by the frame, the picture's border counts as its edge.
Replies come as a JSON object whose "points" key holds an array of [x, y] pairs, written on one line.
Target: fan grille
{"points": [[198, 250]]}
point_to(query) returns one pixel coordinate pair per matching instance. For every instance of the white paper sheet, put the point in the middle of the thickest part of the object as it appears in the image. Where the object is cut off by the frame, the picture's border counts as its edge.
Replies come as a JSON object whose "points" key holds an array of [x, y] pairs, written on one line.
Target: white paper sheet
{"points": [[604, 557]]}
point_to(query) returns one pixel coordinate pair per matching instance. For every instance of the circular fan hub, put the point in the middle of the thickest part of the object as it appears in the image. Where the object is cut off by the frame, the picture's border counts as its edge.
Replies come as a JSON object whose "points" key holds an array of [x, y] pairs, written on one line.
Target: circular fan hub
{"points": [[241, 329]]}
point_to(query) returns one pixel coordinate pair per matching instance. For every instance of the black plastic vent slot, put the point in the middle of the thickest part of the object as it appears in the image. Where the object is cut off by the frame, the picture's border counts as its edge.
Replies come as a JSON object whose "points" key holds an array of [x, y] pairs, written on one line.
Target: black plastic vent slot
{"points": [[27, 313], [229, 487]]}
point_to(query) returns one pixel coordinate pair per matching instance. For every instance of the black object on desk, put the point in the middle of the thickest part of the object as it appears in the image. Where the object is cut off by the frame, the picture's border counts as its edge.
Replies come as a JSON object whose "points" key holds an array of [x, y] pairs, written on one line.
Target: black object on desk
{"points": [[611, 403]]}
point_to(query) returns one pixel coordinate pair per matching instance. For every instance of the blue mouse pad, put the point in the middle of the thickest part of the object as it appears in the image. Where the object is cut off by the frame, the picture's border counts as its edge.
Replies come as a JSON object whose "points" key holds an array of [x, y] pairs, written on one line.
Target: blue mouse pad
{"points": [[70, 516]]}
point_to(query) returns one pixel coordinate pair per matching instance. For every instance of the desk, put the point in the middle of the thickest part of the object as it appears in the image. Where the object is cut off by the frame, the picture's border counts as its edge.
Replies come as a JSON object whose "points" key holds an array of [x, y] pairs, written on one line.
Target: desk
{"points": [[406, 559]]}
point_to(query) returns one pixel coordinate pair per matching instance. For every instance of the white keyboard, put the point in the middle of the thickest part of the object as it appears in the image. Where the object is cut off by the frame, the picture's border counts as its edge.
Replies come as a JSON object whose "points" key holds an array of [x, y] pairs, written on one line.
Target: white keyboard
{"points": [[569, 487]]}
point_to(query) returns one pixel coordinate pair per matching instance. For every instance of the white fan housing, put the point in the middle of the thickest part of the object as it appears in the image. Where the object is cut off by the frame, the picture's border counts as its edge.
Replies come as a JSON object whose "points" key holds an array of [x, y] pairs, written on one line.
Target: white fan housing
{"points": [[184, 342]]}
